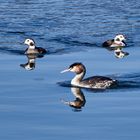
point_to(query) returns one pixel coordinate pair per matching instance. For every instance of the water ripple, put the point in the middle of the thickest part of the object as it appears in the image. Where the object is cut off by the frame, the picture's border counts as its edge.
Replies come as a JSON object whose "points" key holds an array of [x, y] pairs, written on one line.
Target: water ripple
{"points": [[127, 81]]}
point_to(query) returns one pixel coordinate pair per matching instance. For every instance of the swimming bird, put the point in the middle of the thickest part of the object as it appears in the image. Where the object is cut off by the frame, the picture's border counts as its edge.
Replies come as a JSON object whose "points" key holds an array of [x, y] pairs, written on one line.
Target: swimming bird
{"points": [[96, 82], [118, 41], [119, 53], [32, 49]]}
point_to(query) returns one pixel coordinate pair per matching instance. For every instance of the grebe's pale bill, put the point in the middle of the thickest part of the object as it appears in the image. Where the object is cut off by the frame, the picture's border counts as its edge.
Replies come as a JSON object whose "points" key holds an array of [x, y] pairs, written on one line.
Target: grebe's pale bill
{"points": [[66, 70]]}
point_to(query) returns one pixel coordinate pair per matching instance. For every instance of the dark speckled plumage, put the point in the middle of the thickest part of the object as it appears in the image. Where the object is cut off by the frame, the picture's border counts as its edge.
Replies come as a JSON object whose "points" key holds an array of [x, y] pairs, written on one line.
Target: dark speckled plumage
{"points": [[99, 82]]}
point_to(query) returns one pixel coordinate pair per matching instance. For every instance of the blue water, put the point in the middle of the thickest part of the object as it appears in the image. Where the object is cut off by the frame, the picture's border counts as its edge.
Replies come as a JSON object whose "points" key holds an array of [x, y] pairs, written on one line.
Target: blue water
{"points": [[33, 103]]}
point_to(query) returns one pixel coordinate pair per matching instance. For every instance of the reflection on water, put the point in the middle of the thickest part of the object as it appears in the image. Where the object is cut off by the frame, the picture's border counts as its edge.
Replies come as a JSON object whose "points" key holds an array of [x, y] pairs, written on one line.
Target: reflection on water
{"points": [[31, 63], [119, 53], [79, 101]]}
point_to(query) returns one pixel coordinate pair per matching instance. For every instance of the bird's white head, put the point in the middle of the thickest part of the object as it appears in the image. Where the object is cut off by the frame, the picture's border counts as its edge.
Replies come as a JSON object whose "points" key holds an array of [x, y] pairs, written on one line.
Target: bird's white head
{"points": [[30, 43], [120, 38]]}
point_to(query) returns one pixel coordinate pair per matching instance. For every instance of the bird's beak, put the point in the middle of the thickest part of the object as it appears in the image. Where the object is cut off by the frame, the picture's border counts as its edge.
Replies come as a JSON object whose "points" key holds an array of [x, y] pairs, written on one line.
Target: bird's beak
{"points": [[66, 70], [124, 42]]}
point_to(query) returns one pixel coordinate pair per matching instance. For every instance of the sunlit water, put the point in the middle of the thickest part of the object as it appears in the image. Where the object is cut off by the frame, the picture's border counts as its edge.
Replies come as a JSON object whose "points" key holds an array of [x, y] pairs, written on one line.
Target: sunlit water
{"points": [[34, 105]]}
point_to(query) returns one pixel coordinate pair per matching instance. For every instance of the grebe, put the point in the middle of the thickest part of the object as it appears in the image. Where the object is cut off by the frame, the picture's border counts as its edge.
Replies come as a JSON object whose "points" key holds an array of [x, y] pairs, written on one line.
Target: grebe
{"points": [[96, 82], [119, 53], [118, 41], [32, 49]]}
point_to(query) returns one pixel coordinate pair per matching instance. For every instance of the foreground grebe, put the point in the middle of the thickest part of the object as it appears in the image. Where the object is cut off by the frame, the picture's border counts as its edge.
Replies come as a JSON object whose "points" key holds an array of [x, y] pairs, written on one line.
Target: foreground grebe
{"points": [[32, 49], [119, 53], [118, 41], [96, 82]]}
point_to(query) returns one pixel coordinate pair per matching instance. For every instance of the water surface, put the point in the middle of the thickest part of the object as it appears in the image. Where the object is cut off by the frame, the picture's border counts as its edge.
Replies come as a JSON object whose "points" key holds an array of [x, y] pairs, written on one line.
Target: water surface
{"points": [[31, 102]]}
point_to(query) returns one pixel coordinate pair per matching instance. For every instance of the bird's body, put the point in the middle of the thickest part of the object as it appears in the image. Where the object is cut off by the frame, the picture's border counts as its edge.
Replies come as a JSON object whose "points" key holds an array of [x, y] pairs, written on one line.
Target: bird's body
{"points": [[96, 82], [37, 50]]}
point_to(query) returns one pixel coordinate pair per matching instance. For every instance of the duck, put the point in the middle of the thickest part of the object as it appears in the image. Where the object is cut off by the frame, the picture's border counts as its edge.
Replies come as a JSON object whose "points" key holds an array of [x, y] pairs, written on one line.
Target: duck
{"points": [[119, 53], [118, 41], [94, 82], [32, 49]]}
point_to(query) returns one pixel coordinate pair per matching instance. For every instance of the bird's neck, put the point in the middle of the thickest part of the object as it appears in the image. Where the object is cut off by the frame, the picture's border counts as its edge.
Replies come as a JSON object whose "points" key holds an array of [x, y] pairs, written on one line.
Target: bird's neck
{"points": [[77, 79], [32, 47]]}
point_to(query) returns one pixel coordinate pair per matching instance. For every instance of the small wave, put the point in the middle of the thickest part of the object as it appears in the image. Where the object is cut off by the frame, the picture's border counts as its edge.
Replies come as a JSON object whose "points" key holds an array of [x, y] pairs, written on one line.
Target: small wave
{"points": [[71, 41], [129, 81], [128, 85], [11, 51], [16, 32]]}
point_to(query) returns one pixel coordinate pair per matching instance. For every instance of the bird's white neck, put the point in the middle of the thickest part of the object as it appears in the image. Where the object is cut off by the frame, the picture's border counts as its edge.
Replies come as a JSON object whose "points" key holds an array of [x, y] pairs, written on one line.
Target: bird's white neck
{"points": [[77, 79], [32, 47]]}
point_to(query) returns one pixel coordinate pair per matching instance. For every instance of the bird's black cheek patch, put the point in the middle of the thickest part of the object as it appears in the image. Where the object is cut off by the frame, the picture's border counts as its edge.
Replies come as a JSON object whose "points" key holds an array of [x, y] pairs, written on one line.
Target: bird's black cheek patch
{"points": [[31, 44], [117, 39]]}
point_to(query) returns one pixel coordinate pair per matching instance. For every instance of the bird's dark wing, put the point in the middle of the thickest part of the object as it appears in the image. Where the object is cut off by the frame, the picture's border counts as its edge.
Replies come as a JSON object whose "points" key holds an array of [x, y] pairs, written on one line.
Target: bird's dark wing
{"points": [[41, 50], [96, 79], [108, 43]]}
